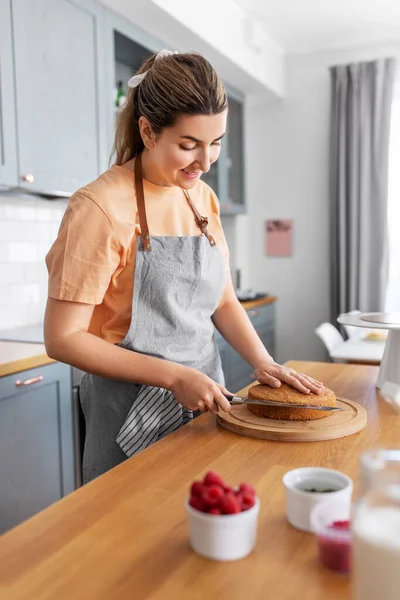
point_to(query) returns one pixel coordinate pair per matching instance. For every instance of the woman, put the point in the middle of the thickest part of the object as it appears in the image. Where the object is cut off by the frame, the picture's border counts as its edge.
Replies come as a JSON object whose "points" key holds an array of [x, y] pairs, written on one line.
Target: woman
{"points": [[139, 276]]}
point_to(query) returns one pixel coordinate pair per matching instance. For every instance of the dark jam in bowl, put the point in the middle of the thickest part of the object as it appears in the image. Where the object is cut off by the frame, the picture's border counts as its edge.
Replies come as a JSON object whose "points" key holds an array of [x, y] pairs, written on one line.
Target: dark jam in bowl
{"points": [[317, 487]]}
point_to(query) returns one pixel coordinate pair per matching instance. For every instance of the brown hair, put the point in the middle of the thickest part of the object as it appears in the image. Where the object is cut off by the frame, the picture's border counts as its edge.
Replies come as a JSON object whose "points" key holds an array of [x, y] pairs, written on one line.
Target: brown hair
{"points": [[176, 84]]}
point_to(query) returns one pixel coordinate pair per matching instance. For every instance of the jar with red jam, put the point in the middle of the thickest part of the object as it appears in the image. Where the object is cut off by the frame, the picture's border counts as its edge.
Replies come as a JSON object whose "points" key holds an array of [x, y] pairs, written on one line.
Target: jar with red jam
{"points": [[330, 521]]}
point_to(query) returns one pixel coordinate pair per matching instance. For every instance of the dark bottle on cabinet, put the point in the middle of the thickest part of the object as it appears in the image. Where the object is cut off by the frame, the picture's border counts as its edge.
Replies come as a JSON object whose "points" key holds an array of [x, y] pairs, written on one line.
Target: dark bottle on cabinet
{"points": [[121, 96]]}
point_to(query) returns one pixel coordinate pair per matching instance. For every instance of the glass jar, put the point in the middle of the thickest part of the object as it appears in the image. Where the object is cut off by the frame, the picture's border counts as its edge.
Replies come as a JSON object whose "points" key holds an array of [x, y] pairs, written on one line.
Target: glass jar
{"points": [[376, 528]]}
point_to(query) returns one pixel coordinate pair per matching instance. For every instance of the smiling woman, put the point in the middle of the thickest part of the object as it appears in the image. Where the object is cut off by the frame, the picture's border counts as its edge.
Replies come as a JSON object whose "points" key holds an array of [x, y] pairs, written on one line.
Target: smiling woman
{"points": [[139, 274]]}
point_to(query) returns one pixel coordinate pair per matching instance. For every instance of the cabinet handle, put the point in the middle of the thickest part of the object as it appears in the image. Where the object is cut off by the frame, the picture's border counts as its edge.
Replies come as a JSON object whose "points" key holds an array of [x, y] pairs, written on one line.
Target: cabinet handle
{"points": [[253, 313], [29, 178], [37, 379]]}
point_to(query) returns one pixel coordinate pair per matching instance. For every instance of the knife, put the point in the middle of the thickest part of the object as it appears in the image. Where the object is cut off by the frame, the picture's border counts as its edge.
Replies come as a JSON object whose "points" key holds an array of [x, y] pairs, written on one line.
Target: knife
{"points": [[240, 400]]}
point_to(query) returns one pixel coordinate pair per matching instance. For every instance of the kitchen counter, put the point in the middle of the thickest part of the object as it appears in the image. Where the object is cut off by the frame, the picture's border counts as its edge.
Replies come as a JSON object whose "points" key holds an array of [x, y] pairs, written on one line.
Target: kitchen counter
{"points": [[34, 333], [125, 534], [17, 356], [23, 348], [250, 304]]}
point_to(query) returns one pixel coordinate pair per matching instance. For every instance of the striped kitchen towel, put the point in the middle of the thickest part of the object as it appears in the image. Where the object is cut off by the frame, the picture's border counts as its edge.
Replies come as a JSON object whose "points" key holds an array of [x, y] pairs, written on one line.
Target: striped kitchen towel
{"points": [[154, 414]]}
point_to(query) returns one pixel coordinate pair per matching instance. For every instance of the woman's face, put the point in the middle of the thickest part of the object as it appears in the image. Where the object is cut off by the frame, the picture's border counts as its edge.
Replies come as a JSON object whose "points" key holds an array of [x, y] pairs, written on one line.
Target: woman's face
{"points": [[179, 155]]}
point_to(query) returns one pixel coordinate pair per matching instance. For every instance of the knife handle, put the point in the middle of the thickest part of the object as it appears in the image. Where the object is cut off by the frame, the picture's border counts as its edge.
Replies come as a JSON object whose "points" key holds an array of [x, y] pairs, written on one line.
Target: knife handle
{"points": [[234, 399]]}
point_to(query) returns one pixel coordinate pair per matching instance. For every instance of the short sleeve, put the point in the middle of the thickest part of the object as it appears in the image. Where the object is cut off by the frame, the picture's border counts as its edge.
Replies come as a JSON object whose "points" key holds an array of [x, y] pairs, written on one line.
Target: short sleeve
{"points": [[85, 254]]}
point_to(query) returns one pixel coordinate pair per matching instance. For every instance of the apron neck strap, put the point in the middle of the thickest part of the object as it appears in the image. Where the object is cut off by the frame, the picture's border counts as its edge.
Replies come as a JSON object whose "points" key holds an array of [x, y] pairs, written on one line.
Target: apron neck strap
{"points": [[201, 222], [144, 228]]}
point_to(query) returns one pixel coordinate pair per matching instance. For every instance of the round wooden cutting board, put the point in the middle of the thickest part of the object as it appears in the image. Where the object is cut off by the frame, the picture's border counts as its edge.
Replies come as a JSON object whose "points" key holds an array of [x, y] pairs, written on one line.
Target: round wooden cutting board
{"points": [[341, 423]]}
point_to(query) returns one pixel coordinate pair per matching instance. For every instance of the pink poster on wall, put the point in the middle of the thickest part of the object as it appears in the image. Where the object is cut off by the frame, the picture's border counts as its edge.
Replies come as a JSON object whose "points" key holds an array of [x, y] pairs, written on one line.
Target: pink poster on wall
{"points": [[279, 234]]}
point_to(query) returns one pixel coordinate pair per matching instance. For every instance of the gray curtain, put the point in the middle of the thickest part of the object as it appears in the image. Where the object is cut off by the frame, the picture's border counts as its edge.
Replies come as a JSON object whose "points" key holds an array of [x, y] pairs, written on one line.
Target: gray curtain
{"points": [[360, 126]]}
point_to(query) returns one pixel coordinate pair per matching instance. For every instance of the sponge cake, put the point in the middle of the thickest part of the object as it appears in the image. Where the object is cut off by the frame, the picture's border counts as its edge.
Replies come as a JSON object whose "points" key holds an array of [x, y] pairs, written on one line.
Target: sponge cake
{"points": [[288, 394]]}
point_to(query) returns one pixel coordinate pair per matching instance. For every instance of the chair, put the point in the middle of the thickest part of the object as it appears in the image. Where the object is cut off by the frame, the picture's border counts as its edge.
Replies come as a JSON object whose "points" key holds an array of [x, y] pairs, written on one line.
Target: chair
{"points": [[330, 336]]}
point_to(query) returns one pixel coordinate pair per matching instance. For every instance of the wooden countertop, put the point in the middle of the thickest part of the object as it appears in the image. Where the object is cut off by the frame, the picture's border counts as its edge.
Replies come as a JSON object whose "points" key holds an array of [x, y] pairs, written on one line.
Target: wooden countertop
{"points": [[18, 356], [248, 305], [125, 534]]}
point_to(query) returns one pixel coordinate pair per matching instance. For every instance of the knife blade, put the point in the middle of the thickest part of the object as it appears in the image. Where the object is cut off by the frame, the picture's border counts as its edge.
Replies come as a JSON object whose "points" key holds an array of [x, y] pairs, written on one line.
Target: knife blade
{"points": [[241, 400]]}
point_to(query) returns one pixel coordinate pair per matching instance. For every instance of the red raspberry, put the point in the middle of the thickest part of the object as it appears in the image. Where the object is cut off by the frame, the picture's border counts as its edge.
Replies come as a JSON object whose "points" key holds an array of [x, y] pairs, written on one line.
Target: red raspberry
{"points": [[197, 488], [228, 489], [212, 495], [340, 525], [214, 511], [229, 504], [247, 501], [246, 488], [197, 504], [212, 478]]}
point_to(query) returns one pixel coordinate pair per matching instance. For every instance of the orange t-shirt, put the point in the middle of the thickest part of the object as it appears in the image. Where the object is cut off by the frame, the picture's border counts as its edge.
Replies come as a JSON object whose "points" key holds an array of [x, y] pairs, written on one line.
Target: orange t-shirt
{"points": [[93, 258]]}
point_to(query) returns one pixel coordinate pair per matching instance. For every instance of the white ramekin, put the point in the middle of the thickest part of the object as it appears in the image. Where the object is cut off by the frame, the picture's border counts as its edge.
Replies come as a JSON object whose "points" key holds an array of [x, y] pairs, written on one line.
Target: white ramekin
{"points": [[299, 503], [223, 537]]}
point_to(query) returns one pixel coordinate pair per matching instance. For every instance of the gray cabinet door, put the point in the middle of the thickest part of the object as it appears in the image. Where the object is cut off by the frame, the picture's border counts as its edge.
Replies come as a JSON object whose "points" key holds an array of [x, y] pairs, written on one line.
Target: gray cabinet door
{"points": [[8, 147], [60, 93], [232, 159], [235, 155], [36, 442]]}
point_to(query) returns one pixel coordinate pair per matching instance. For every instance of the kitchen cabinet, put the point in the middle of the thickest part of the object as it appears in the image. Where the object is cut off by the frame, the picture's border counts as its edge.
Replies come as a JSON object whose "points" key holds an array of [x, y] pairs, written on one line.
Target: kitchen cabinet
{"points": [[226, 176], [8, 147], [126, 47], [236, 370], [36, 441], [59, 75], [65, 59]]}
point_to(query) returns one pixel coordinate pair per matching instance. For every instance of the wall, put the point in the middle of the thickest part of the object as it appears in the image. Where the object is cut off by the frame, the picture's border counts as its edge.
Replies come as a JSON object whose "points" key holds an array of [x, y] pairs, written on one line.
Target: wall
{"points": [[288, 166], [28, 226]]}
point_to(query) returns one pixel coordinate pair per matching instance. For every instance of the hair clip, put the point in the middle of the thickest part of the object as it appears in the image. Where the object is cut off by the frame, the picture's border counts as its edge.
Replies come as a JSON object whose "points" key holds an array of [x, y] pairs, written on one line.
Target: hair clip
{"points": [[136, 79]]}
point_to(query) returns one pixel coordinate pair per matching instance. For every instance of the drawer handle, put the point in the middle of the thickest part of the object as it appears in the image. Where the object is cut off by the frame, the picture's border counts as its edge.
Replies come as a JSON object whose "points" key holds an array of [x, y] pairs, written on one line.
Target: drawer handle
{"points": [[253, 313], [37, 379]]}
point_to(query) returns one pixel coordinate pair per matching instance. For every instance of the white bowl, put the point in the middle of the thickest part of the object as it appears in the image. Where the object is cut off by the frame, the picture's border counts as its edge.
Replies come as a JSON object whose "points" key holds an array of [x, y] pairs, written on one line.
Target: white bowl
{"points": [[299, 503], [223, 537]]}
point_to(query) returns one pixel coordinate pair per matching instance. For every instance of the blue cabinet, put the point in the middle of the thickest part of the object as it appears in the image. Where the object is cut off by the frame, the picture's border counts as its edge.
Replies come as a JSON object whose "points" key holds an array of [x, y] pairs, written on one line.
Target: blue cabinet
{"points": [[60, 100], [36, 441], [236, 370], [8, 142], [226, 176]]}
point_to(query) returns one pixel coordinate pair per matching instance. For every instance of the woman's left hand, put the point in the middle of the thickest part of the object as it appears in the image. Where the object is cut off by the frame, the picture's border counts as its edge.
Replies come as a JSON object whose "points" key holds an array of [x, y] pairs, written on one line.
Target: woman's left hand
{"points": [[271, 373]]}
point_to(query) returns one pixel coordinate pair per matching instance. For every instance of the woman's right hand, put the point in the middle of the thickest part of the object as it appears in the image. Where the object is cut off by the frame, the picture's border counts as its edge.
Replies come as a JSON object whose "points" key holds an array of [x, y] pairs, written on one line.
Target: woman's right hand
{"points": [[196, 391]]}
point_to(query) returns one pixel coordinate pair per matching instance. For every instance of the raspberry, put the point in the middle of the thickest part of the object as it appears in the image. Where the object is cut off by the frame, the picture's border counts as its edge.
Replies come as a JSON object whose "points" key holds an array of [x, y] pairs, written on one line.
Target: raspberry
{"points": [[247, 501], [340, 525], [228, 489], [212, 495], [214, 511], [197, 504], [246, 488], [212, 478], [229, 504], [197, 488]]}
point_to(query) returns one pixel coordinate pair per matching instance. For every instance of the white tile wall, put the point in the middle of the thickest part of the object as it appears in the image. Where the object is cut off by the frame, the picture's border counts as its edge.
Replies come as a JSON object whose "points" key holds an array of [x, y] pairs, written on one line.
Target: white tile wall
{"points": [[28, 226]]}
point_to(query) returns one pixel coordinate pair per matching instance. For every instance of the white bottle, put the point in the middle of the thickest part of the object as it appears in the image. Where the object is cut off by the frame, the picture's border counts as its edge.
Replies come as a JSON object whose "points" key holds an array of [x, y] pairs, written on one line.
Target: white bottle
{"points": [[376, 555], [376, 528]]}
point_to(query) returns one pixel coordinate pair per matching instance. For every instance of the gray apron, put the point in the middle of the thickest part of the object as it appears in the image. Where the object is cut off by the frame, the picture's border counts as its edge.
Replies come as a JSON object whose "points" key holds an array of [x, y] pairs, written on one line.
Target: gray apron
{"points": [[178, 284]]}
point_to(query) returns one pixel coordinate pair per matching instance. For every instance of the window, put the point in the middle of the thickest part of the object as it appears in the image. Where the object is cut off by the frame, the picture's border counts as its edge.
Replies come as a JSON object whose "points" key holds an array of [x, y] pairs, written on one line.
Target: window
{"points": [[392, 303]]}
